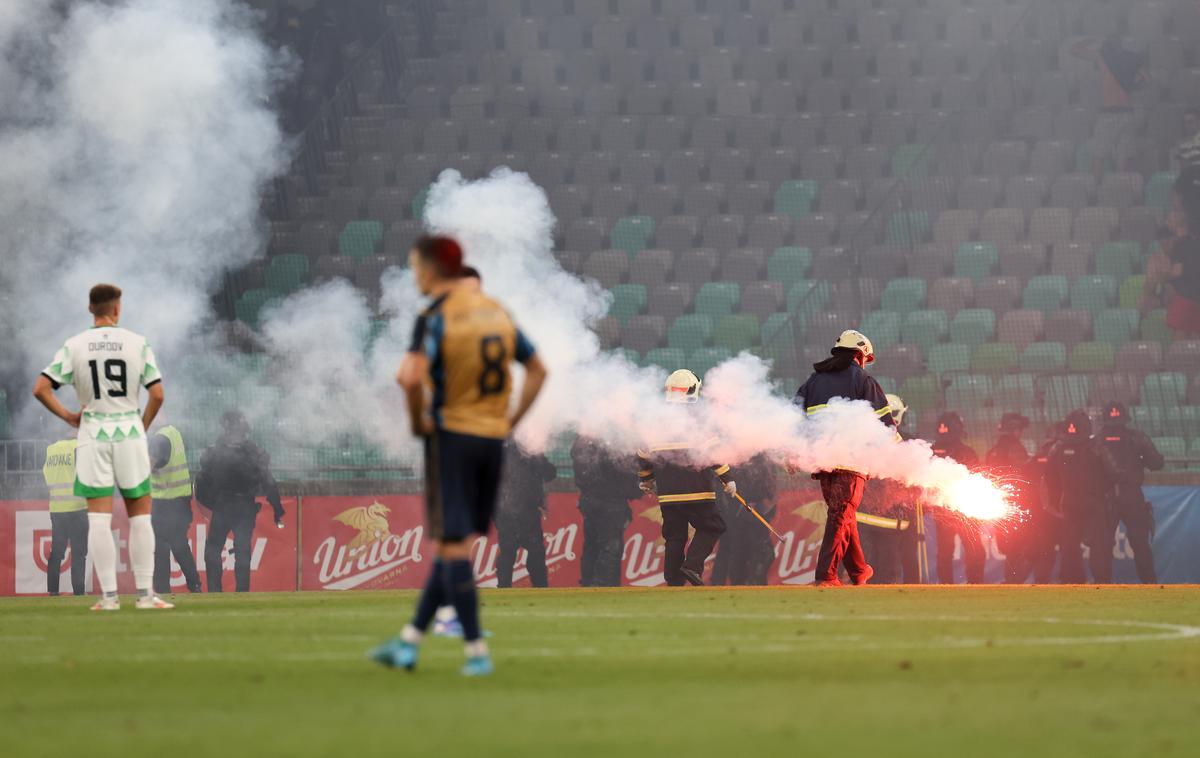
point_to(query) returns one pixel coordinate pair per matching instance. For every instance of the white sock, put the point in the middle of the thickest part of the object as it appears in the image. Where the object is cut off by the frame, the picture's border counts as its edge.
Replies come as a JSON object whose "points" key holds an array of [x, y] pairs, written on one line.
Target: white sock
{"points": [[141, 552], [476, 649], [411, 634], [103, 551]]}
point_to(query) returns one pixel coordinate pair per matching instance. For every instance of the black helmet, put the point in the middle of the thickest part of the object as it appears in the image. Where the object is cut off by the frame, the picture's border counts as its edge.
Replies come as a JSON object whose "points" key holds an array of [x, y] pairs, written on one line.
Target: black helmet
{"points": [[1116, 413], [1079, 424], [950, 424], [1013, 423]]}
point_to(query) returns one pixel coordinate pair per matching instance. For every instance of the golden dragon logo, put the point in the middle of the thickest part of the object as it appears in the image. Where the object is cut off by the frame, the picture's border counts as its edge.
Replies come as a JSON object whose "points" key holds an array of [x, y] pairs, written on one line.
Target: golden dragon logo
{"points": [[370, 521]]}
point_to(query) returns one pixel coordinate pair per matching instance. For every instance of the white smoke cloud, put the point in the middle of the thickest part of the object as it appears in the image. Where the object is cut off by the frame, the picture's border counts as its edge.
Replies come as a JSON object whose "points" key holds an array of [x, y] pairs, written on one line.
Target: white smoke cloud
{"points": [[505, 225], [136, 140]]}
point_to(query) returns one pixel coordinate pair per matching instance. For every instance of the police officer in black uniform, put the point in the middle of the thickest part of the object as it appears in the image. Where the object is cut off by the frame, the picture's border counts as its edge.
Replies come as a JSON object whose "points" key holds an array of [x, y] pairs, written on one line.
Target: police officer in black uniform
{"points": [[234, 473], [746, 551], [606, 485], [949, 443], [1133, 453], [519, 516], [1080, 475], [1009, 461]]}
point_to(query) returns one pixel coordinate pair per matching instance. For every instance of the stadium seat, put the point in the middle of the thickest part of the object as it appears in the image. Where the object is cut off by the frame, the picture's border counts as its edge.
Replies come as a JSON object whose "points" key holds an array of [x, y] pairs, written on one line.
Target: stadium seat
{"points": [[1091, 357], [882, 328], [975, 260], [1046, 293], [1115, 326], [948, 359], [744, 265], [1135, 357], [969, 392], [924, 328], [286, 273], [908, 228], [361, 238], [632, 233], [643, 333], [789, 265], [736, 332], [994, 358], [629, 300], [1116, 259], [950, 294], [1063, 394], [1021, 327], [250, 305], [1159, 189], [690, 332], [795, 198], [1069, 326], [1164, 390], [904, 295], [718, 299], [671, 300], [1093, 293], [651, 267], [1154, 327], [1044, 357], [1014, 391], [808, 296], [1183, 356], [608, 267], [668, 358], [911, 162], [973, 326], [763, 298], [705, 359]]}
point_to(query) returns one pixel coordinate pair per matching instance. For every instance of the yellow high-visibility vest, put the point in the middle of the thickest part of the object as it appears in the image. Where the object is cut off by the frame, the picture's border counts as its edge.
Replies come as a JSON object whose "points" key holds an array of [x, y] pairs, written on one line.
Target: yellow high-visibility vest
{"points": [[173, 480], [59, 473]]}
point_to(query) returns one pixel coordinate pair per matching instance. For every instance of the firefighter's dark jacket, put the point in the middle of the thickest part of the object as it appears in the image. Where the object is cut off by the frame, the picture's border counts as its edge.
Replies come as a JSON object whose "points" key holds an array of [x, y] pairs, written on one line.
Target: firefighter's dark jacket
{"points": [[677, 469]]}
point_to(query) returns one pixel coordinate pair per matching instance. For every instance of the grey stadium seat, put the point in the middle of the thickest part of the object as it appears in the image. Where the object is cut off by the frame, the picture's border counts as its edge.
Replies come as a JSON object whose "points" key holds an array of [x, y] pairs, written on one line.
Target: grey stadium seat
{"points": [[703, 200]]}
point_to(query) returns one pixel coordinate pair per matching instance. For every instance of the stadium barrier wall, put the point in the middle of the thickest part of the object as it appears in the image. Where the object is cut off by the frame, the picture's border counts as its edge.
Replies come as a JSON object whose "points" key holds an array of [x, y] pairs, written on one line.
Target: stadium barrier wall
{"points": [[367, 542]]}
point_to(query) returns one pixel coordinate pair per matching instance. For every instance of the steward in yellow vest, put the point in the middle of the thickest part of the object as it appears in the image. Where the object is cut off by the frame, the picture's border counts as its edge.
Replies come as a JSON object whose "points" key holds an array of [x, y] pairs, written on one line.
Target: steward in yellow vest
{"points": [[68, 517], [171, 488]]}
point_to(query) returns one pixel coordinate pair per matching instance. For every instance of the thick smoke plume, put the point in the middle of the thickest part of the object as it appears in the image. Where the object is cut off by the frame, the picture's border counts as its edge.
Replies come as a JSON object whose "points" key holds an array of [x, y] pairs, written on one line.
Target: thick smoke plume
{"points": [[506, 226], [136, 138]]}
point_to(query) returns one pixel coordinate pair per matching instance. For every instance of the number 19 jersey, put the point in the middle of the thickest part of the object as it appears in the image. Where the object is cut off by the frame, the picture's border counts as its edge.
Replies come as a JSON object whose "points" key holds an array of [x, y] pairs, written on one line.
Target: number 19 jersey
{"points": [[471, 343], [108, 366]]}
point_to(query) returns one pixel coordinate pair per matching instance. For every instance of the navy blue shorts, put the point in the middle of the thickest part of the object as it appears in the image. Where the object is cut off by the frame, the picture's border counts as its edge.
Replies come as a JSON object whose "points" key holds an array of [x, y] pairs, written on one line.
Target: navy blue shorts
{"points": [[462, 479]]}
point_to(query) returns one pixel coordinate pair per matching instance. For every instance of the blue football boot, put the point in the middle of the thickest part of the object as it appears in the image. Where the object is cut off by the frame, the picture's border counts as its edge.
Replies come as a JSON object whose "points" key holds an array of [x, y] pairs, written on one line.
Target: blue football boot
{"points": [[395, 653]]}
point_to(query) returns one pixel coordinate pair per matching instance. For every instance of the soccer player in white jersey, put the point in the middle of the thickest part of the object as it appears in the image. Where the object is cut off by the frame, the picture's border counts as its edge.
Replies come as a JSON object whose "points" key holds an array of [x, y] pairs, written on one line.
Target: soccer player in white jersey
{"points": [[108, 366]]}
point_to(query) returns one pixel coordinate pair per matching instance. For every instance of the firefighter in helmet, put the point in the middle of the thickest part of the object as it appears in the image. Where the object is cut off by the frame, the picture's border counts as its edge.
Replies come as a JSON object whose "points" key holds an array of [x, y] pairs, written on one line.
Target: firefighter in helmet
{"points": [[679, 473], [843, 374]]}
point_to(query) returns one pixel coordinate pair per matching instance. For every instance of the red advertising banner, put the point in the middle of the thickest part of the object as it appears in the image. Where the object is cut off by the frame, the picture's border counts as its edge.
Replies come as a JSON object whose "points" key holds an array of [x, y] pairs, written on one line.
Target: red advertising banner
{"points": [[25, 544], [380, 543]]}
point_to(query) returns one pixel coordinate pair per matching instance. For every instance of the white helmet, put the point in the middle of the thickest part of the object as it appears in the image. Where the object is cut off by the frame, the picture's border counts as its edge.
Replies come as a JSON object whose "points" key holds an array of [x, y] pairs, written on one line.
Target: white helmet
{"points": [[682, 387], [898, 407], [856, 340]]}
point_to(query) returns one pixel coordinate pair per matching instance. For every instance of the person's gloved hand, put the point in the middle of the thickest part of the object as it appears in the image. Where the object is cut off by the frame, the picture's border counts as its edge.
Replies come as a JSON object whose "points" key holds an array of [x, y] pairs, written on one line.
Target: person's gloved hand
{"points": [[731, 488], [279, 523], [648, 487]]}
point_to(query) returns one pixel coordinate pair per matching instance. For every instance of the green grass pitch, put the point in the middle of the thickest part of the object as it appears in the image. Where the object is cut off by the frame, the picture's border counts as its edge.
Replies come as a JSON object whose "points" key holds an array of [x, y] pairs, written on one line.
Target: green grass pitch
{"points": [[874, 671]]}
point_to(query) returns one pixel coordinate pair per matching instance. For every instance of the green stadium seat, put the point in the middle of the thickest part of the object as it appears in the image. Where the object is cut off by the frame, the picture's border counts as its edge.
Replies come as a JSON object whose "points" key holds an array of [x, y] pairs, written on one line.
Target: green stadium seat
{"points": [[1183, 421], [908, 228], [789, 265], [1130, 292], [1091, 356], [1159, 189], [632, 234], [249, 306], [947, 359], [736, 332], [1014, 392], [924, 328], [1171, 447], [1044, 357], [921, 393], [690, 332], [973, 326], [911, 161], [903, 295], [1093, 293], [795, 198], [718, 298], [360, 238], [882, 328], [1154, 327], [628, 301], [1045, 293], [1148, 419], [1164, 390], [669, 358], [286, 273], [1117, 259], [976, 260], [994, 358], [808, 296], [1115, 326], [418, 203], [968, 392], [1063, 394], [779, 330], [706, 359]]}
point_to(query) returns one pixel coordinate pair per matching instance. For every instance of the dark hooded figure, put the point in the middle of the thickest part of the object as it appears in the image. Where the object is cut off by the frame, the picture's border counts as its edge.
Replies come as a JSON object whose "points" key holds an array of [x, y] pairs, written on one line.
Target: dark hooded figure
{"points": [[1080, 477], [950, 443], [1133, 453]]}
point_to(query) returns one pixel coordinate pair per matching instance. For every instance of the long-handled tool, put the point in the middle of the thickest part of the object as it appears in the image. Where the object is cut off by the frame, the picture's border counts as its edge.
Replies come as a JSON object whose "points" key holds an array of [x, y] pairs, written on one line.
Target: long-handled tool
{"points": [[758, 516]]}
